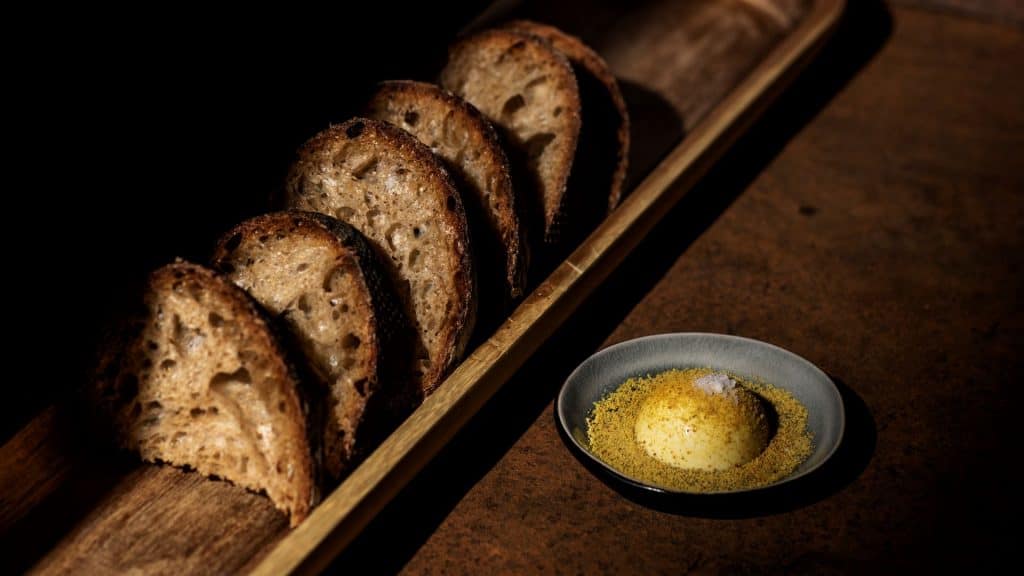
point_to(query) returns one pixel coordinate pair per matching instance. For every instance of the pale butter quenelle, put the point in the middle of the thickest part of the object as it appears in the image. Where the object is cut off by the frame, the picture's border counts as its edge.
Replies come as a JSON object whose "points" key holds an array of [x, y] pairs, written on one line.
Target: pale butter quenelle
{"points": [[707, 422], [700, 430]]}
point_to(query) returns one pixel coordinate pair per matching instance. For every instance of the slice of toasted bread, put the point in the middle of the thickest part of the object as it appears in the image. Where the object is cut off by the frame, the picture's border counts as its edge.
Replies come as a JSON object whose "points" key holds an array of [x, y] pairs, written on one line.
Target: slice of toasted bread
{"points": [[605, 117], [528, 90], [469, 146], [320, 277], [388, 185], [199, 381]]}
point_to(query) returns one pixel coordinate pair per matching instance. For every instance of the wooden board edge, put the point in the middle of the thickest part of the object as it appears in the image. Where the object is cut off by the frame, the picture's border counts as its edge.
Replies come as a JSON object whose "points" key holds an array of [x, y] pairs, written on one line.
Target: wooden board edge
{"points": [[311, 546]]}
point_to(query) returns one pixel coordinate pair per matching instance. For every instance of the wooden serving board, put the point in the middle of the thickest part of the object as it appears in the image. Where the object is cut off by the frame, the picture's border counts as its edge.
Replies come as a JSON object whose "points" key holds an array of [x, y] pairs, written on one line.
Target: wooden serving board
{"points": [[695, 74]]}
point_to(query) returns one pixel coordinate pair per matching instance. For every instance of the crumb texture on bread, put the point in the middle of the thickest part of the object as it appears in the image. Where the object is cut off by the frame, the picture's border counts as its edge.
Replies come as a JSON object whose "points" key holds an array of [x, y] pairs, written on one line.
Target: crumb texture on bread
{"points": [[316, 275], [391, 188], [527, 89], [200, 382], [460, 135]]}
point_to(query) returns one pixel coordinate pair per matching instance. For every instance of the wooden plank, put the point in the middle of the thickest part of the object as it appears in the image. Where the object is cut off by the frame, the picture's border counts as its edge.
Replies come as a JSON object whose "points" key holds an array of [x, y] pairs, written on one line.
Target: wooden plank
{"points": [[1007, 11], [113, 514]]}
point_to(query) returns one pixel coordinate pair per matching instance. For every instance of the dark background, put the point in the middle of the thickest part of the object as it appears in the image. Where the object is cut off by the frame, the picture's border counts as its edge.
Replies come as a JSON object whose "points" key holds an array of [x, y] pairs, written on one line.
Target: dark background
{"points": [[135, 138]]}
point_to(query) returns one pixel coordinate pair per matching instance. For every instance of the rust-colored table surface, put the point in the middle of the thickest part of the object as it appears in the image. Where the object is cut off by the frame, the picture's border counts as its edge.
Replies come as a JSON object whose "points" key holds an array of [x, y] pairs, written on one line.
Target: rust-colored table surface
{"points": [[872, 222]]}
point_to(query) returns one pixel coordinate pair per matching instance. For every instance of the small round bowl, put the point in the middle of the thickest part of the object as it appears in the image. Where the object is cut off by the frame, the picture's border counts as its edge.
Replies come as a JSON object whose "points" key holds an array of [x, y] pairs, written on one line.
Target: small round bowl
{"points": [[606, 370]]}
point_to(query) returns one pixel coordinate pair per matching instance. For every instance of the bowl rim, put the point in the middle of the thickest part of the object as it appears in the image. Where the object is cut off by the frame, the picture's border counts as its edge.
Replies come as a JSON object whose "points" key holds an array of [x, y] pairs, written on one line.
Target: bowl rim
{"points": [[790, 356]]}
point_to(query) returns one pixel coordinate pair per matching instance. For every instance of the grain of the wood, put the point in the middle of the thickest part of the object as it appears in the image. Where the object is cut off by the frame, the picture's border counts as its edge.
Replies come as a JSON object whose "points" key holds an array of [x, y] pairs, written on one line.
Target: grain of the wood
{"points": [[161, 520], [36, 464], [1009, 11], [346, 511], [158, 519]]}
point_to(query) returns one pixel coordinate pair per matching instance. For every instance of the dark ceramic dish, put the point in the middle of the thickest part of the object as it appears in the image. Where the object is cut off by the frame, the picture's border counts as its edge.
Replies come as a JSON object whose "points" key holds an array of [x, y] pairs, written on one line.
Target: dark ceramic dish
{"points": [[603, 372]]}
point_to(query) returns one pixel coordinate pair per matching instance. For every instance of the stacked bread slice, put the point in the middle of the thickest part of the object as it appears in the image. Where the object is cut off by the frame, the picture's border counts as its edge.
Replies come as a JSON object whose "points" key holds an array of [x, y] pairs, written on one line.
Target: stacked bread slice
{"points": [[391, 188], [320, 277], [469, 148], [199, 380], [317, 328]]}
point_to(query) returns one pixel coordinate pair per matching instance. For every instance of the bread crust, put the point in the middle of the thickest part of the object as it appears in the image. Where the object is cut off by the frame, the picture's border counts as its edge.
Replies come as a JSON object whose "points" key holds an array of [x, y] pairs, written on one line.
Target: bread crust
{"points": [[306, 188]]}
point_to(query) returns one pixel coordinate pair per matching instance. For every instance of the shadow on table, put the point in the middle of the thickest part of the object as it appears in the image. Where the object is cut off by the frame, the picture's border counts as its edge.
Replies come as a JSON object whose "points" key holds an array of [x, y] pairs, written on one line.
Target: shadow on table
{"points": [[409, 520], [850, 459]]}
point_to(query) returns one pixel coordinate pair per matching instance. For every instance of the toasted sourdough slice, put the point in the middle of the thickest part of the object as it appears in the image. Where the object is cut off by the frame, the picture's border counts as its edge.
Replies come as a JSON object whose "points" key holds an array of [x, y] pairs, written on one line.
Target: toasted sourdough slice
{"points": [[199, 381], [528, 90], [457, 133], [391, 188], [320, 277], [605, 117]]}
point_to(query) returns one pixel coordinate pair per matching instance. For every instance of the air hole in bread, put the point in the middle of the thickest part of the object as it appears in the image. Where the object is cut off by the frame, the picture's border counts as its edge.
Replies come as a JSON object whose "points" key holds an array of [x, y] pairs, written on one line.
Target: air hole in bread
{"points": [[167, 364], [186, 340], [178, 436], [361, 386], [215, 320], [223, 380], [513, 48], [334, 278], [557, 111], [414, 256], [196, 412], [350, 341], [152, 345], [196, 292], [416, 231], [154, 405], [282, 407], [348, 362], [537, 143], [365, 168], [411, 117], [513, 105], [355, 130], [401, 171], [302, 267], [538, 81], [450, 203], [372, 215], [243, 465], [390, 235], [304, 305]]}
